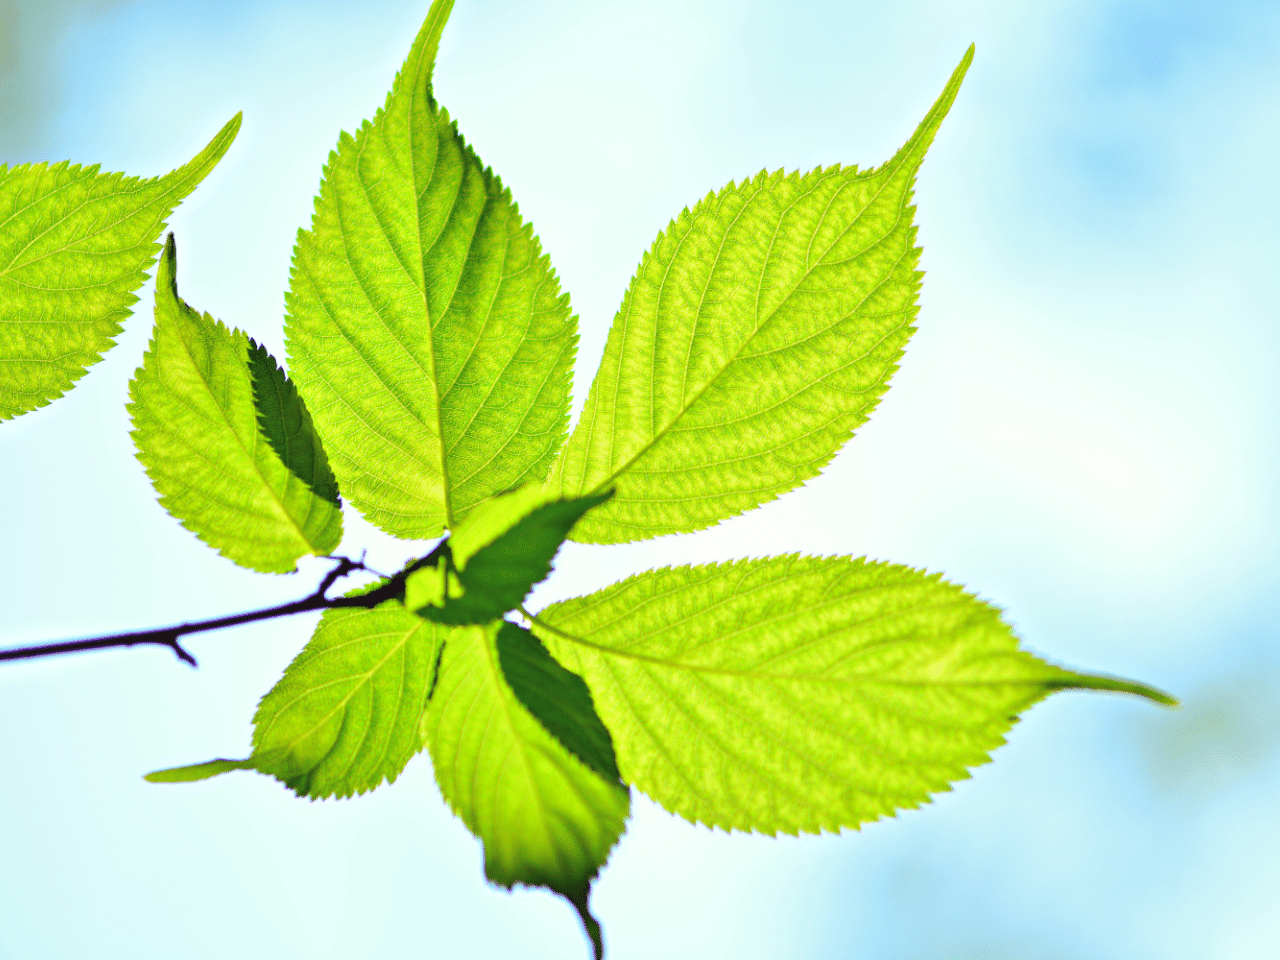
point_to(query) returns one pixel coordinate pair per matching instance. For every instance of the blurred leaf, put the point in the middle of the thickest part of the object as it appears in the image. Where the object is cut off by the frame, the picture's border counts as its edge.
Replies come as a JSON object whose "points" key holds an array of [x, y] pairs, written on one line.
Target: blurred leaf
{"points": [[546, 817]]}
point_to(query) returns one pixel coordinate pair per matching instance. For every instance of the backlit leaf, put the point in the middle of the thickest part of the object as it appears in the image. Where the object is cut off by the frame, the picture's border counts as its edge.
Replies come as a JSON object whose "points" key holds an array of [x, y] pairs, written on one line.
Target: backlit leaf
{"points": [[547, 806], [198, 771], [796, 693], [759, 332], [227, 441], [426, 327], [498, 553], [74, 246], [347, 713]]}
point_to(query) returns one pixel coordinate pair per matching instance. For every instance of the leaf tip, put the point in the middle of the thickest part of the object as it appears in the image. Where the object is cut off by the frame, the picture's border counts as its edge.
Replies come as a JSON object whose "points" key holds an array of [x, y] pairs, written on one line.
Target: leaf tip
{"points": [[427, 44], [231, 129], [167, 267], [1120, 685], [198, 771]]}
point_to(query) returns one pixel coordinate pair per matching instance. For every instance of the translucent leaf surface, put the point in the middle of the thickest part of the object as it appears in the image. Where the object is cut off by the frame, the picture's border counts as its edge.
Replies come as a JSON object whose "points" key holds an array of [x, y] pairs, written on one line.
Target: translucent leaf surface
{"points": [[760, 330], [426, 328], [547, 807], [346, 714], [227, 441], [499, 552], [74, 246], [799, 693]]}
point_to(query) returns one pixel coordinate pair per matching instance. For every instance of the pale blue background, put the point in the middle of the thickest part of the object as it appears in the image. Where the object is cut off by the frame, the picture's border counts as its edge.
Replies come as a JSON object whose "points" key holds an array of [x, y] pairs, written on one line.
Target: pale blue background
{"points": [[1085, 430]]}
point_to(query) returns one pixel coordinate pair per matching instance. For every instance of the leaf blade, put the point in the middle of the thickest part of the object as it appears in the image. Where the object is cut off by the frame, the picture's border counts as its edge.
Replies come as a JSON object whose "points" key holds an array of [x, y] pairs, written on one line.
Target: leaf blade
{"points": [[798, 694], [74, 246], [199, 403], [426, 327], [546, 818], [496, 555], [759, 332], [345, 716]]}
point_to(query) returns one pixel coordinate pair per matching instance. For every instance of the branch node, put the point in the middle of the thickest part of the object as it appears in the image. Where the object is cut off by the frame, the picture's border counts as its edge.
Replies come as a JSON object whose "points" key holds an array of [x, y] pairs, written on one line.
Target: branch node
{"points": [[182, 653]]}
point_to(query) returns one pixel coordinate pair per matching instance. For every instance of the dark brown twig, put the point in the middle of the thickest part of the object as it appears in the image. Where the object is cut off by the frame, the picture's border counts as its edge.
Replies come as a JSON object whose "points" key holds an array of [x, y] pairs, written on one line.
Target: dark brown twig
{"points": [[170, 637]]}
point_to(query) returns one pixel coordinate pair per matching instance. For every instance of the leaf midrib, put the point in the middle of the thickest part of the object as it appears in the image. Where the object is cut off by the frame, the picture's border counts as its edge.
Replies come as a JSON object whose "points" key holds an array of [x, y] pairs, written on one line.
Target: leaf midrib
{"points": [[362, 680], [672, 665]]}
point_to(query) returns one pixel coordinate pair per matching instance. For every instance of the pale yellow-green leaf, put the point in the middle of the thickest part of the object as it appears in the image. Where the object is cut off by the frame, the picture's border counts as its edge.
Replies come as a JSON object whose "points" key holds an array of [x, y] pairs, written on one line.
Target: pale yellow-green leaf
{"points": [[759, 332], [426, 328], [226, 440], [549, 808], [74, 246], [794, 693]]}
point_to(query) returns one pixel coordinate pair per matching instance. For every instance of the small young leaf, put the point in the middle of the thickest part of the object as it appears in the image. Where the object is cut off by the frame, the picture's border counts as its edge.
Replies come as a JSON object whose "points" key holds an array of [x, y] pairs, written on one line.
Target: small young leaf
{"points": [[499, 552], [345, 716], [760, 331], [74, 245], [796, 693], [227, 441], [546, 814], [426, 327]]}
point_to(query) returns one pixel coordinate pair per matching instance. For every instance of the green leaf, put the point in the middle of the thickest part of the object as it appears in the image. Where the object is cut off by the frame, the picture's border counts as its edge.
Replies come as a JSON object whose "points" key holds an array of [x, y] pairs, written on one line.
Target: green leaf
{"points": [[227, 441], [559, 699], [287, 426], [346, 714], [497, 554], [759, 332], [797, 693], [426, 327], [74, 246], [546, 814]]}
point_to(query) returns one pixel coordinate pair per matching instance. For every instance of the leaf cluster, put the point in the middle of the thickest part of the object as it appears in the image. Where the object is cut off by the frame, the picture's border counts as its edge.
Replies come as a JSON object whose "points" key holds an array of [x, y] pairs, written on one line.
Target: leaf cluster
{"points": [[430, 353]]}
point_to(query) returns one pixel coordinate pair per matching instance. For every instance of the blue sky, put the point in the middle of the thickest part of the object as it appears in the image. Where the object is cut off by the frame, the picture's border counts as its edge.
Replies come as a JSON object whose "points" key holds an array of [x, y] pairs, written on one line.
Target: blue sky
{"points": [[1084, 431]]}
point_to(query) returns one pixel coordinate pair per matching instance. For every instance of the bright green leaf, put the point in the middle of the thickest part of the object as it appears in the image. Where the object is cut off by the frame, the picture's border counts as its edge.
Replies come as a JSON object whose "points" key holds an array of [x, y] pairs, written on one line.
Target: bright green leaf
{"points": [[426, 328], [799, 693], [499, 552], [346, 714], [227, 441], [760, 331], [74, 246], [547, 818], [432, 587]]}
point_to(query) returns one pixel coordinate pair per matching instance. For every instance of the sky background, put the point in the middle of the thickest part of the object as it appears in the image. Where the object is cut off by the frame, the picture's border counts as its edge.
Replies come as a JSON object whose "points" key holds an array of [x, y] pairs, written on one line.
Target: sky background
{"points": [[1085, 431]]}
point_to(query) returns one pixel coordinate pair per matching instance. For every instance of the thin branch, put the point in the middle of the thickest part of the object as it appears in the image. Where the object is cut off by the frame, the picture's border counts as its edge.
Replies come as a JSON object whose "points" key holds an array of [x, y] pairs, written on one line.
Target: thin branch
{"points": [[171, 636]]}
